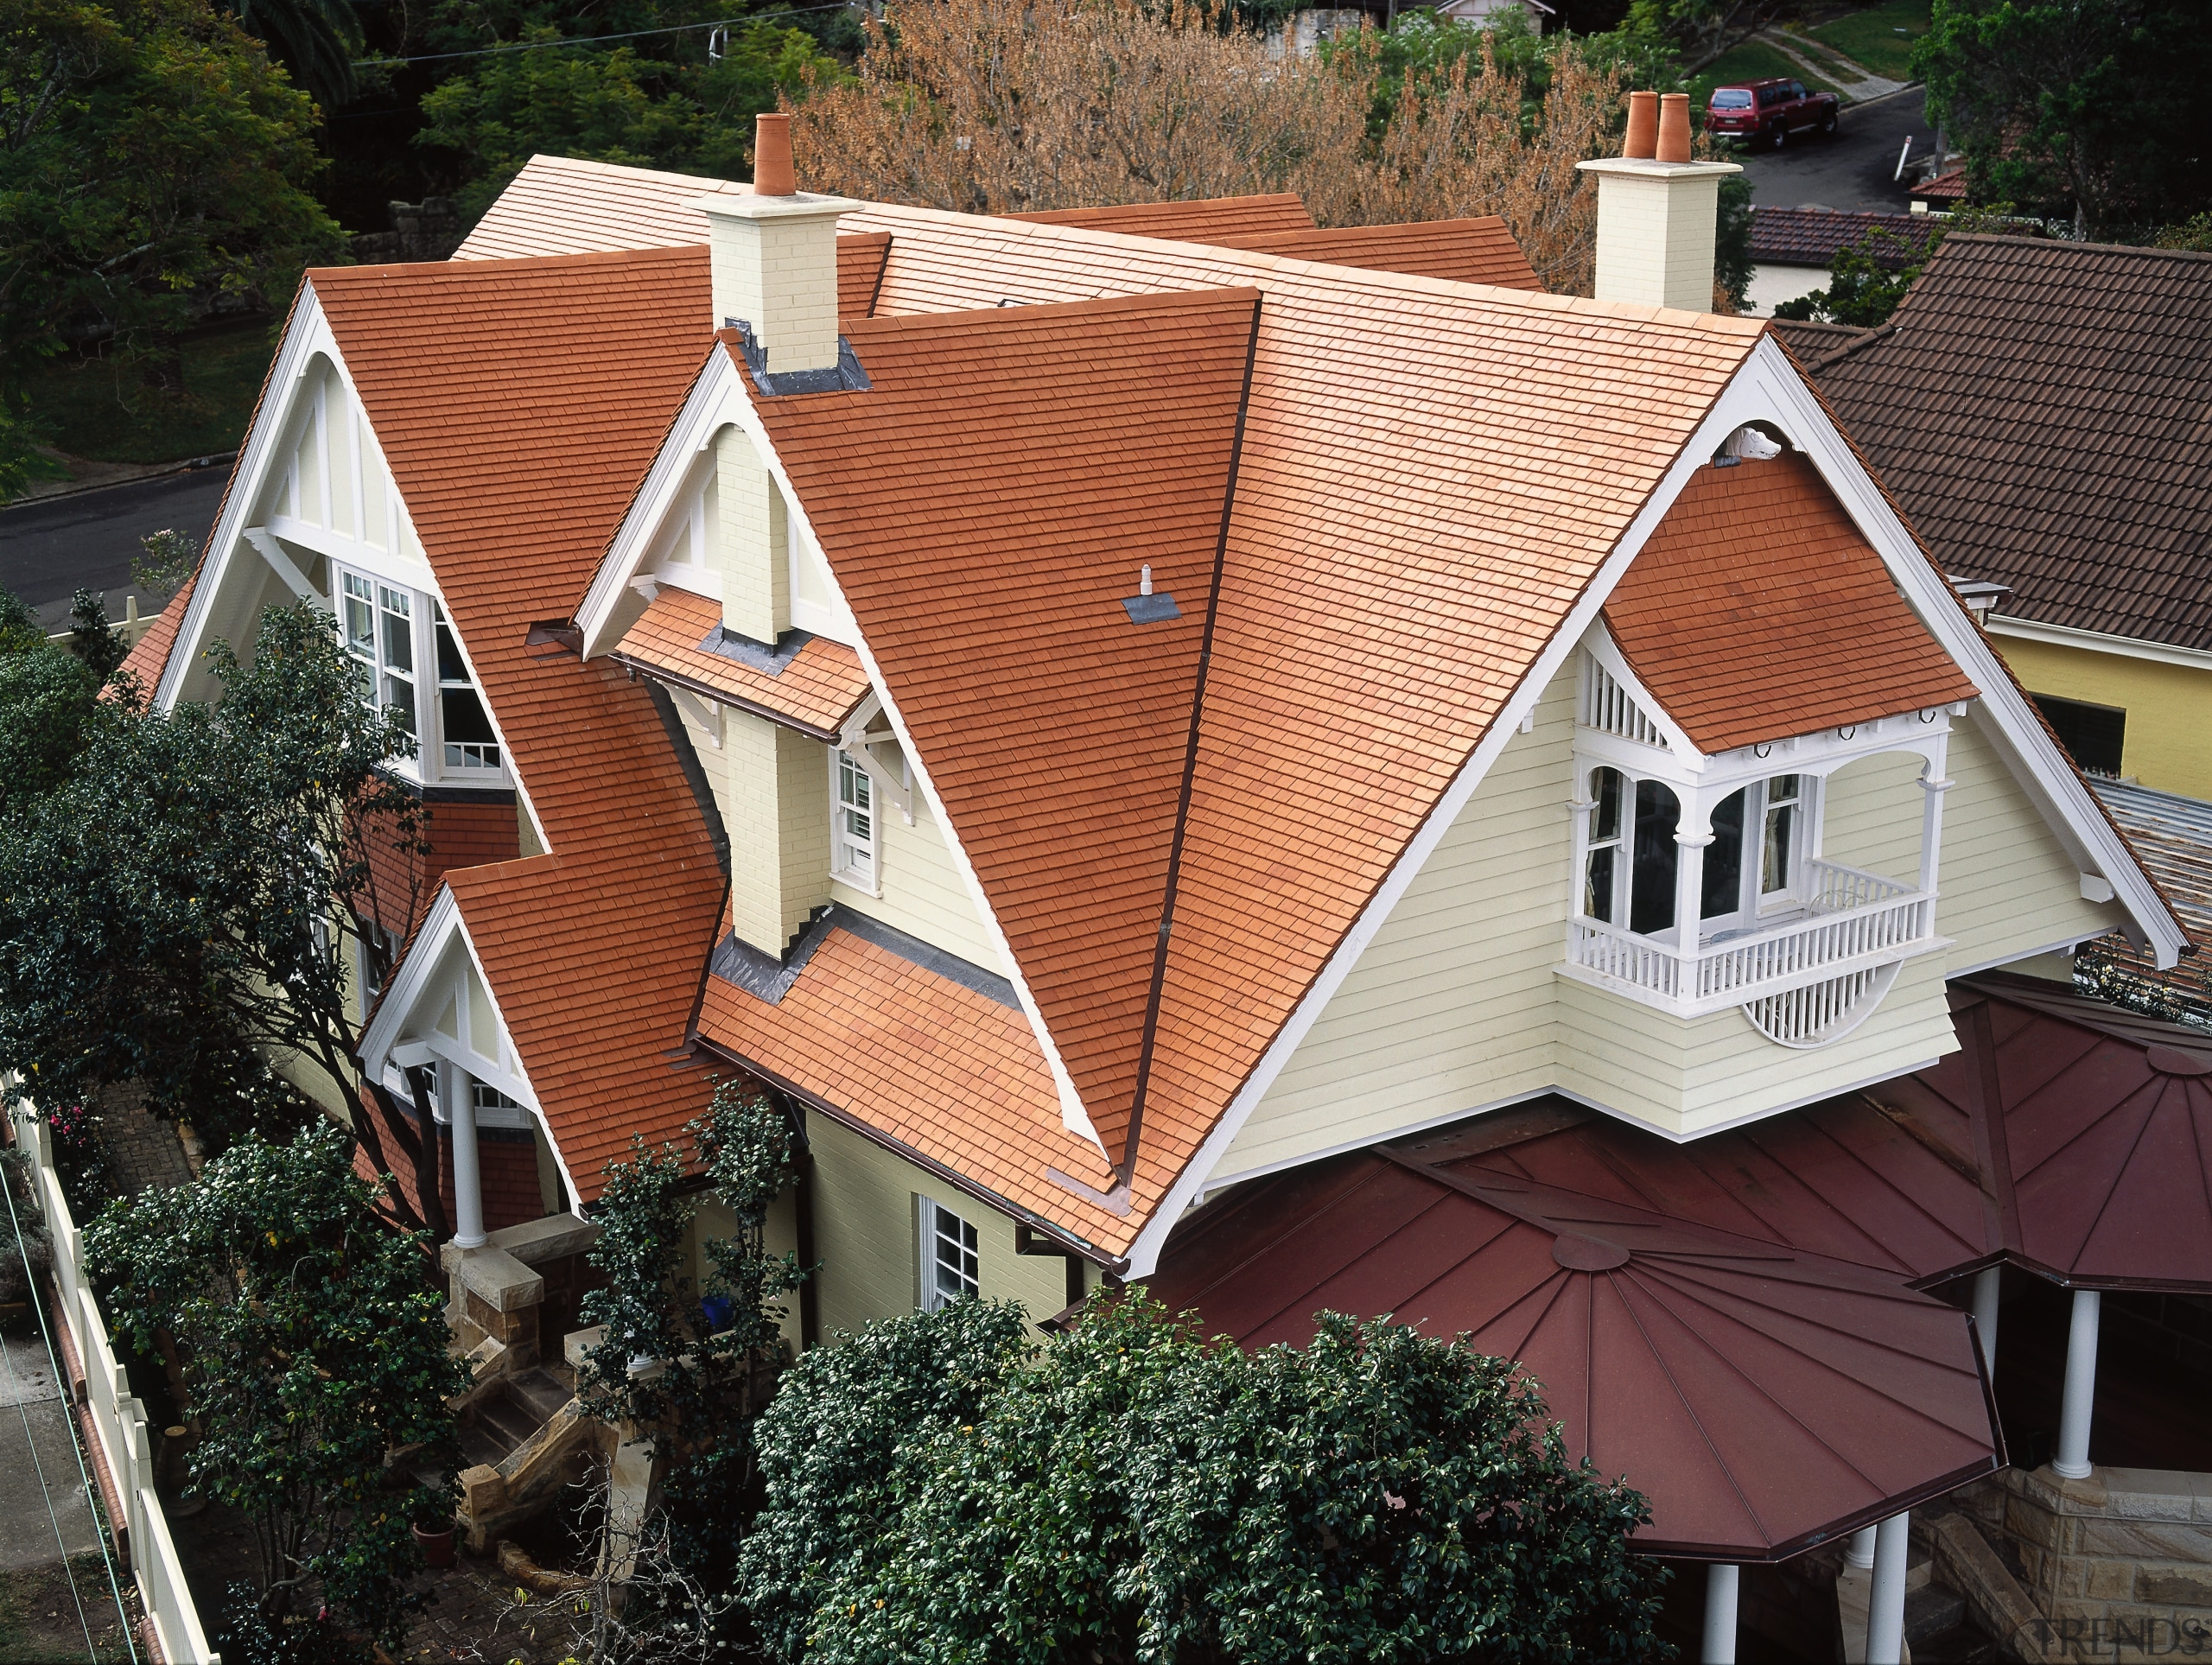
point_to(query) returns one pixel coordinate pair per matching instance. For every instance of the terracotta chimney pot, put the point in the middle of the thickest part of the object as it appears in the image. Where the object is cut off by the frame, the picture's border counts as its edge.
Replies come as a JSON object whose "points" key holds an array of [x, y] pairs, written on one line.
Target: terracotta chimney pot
{"points": [[1643, 126], [1674, 127], [771, 157]]}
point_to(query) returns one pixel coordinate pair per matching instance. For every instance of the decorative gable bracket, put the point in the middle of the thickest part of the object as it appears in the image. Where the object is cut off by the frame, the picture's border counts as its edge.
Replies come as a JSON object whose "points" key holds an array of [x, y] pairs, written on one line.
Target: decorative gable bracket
{"points": [[865, 729]]}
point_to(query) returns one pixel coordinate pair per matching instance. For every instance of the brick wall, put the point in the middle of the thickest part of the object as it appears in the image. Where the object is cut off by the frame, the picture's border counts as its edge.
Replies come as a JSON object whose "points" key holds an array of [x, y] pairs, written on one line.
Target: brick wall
{"points": [[506, 1162]]}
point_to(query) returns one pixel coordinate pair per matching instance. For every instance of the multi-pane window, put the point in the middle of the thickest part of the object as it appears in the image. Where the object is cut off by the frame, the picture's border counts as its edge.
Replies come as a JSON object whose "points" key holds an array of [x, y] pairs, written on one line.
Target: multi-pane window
{"points": [[1630, 857], [949, 1264], [378, 627], [463, 724], [484, 1097], [853, 855]]}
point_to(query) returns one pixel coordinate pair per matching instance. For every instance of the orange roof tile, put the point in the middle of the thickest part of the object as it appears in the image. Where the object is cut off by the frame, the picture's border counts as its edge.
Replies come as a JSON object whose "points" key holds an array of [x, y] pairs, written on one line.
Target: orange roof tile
{"points": [[1757, 611], [815, 691], [860, 272], [564, 370], [1210, 220], [884, 1042], [1465, 250], [150, 654], [975, 506]]}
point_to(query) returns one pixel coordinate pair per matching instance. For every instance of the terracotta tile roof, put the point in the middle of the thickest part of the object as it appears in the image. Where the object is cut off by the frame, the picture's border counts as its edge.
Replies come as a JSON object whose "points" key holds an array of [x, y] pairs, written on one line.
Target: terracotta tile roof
{"points": [[1757, 611], [1387, 584], [887, 1043], [815, 691], [860, 272], [1210, 220], [974, 507], [564, 205], [2036, 407], [468, 833], [1813, 237], [150, 654], [1465, 250], [565, 370], [1950, 185]]}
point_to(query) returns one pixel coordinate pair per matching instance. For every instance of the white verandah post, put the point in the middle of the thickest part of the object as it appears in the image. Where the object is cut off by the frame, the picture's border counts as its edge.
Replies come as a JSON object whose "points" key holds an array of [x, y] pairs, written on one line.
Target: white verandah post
{"points": [[2079, 1408]]}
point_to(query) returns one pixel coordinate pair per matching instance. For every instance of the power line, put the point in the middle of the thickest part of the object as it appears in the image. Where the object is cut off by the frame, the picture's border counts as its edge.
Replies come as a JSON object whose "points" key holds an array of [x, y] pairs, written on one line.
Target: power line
{"points": [[594, 40]]}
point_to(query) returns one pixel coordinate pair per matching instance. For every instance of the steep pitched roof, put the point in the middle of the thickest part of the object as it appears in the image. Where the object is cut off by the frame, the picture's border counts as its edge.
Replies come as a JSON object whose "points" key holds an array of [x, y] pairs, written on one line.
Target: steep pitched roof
{"points": [[2038, 408], [1431, 474], [1212, 219], [564, 369], [976, 506], [1465, 250], [677, 640], [1758, 610]]}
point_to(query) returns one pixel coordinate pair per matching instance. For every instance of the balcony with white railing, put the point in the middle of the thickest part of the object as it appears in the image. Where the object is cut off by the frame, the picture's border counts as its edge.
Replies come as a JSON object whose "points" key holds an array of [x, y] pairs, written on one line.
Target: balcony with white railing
{"points": [[1852, 921]]}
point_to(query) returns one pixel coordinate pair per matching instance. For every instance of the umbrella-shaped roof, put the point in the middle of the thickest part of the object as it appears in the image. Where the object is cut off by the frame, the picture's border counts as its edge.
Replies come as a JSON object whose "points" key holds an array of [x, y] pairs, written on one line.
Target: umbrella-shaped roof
{"points": [[1762, 1398]]}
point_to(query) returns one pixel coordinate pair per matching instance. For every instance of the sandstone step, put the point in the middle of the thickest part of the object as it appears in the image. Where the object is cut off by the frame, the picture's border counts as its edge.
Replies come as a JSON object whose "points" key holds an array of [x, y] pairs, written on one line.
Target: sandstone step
{"points": [[538, 1392]]}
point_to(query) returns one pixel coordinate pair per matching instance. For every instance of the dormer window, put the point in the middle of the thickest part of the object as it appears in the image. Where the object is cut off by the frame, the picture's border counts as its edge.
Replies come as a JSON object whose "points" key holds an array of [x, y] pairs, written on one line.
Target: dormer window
{"points": [[395, 633], [464, 727], [852, 828]]}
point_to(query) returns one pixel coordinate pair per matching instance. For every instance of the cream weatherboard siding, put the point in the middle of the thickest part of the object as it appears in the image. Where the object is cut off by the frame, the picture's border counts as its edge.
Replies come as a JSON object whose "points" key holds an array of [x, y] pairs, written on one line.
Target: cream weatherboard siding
{"points": [[922, 892], [1457, 1005], [779, 1235], [1450, 1007], [867, 1235]]}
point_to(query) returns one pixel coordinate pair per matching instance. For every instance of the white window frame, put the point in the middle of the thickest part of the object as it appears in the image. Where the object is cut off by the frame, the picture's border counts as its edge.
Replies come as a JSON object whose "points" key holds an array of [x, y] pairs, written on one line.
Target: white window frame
{"points": [[951, 1250], [855, 857], [1753, 903], [491, 756], [425, 609]]}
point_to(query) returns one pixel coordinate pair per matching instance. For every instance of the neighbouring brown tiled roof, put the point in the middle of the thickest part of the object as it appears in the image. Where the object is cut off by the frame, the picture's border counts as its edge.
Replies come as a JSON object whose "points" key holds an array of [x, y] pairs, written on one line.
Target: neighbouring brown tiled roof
{"points": [[1759, 611], [887, 1042], [564, 370], [1807, 339], [2037, 408], [815, 691], [1465, 250], [1208, 221], [975, 507], [564, 205], [1813, 237], [1431, 474], [1950, 185]]}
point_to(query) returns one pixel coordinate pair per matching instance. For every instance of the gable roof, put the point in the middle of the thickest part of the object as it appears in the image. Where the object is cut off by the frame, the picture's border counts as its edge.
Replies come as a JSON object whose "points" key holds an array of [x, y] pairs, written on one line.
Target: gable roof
{"points": [[564, 204], [1063, 768], [565, 369], [1757, 611], [2038, 410], [679, 639], [1814, 237], [1480, 250]]}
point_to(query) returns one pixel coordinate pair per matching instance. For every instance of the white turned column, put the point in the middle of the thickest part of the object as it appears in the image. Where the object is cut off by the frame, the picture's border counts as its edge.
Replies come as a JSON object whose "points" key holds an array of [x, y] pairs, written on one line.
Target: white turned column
{"points": [[467, 1187], [1886, 1605], [1692, 832], [2073, 1459], [1988, 1288], [1721, 1580], [1860, 1552], [1932, 786]]}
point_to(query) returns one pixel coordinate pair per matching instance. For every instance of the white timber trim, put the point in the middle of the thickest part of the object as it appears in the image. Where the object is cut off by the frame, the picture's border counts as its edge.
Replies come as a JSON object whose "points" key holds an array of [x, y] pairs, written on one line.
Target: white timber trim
{"points": [[281, 561], [2096, 641]]}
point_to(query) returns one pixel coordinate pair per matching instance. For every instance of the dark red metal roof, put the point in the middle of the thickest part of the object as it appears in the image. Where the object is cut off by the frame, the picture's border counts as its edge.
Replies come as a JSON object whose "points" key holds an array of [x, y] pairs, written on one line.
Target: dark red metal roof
{"points": [[1761, 1397]]}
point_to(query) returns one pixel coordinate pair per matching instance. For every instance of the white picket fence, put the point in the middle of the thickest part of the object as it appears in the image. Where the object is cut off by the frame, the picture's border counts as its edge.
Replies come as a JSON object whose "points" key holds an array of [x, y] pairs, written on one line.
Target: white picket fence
{"points": [[118, 1417]]}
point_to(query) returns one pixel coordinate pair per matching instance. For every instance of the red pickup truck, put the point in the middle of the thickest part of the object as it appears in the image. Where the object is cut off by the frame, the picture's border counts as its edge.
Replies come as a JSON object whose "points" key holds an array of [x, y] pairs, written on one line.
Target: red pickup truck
{"points": [[1768, 112]]}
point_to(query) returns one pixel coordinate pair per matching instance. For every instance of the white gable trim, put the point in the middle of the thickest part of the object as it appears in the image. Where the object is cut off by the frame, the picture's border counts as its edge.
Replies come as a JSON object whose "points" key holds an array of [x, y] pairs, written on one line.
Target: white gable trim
{"points": [[1766, 387]]}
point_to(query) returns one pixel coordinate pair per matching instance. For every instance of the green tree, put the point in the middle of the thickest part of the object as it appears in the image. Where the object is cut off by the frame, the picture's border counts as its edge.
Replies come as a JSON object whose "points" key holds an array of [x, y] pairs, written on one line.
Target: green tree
{"points": [[2089, 109], [1132, 1492], [313, 1347], [46, 694], [619, 105], [151, 158], [192, 898]]}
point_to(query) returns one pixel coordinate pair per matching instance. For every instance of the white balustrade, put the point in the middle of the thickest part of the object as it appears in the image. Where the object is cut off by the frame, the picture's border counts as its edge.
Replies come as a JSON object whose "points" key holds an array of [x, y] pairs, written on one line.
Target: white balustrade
{"points": [[1852, 920]]}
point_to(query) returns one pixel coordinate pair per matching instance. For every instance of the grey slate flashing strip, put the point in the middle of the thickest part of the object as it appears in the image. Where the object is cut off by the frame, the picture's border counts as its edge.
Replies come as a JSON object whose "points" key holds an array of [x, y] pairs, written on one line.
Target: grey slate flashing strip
{"points": [[726, 643], [1151, 609], [846, 376], [762, 976]]}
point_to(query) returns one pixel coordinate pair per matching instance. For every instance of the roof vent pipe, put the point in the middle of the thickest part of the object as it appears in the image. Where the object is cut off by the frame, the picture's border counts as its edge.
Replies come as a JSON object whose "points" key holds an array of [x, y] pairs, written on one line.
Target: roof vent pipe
{"points": [[1144, 580], [772, 173], [1674, 127], [1643, 126]]}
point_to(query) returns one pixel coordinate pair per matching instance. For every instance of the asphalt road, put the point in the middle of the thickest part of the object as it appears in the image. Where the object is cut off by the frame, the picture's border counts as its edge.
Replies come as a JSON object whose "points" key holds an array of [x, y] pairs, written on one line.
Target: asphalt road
{"points": [[1851, 171], [49, 548]]}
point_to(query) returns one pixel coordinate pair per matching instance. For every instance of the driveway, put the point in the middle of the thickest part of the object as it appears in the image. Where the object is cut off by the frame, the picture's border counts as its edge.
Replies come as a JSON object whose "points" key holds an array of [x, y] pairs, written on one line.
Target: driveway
{"points": [[50, 548], [1851, 171]]}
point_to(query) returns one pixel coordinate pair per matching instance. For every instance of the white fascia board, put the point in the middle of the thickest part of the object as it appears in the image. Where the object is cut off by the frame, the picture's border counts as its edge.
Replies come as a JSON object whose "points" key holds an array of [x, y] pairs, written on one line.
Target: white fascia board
{"points": [[1073, 1116], [2003, 712], [1728, 413], [2096, 641], [710, 405], [307, 335], [408, 983]]}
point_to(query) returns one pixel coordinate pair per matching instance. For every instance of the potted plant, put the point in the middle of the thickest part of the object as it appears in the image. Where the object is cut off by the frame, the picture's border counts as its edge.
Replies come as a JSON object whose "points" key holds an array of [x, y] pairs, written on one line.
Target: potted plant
{"points": [[434, 1535]]}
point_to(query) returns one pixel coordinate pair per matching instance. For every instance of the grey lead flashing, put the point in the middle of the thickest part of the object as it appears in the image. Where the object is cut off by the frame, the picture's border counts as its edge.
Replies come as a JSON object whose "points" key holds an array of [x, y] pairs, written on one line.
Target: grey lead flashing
{"points": [[726, 643], [846, 376], [766, 978], [1151, 609]]}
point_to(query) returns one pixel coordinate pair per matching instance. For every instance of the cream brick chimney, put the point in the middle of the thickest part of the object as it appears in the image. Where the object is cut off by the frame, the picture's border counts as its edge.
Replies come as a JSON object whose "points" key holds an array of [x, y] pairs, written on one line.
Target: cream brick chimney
{"points": [[773, 266], [1657, 213]]}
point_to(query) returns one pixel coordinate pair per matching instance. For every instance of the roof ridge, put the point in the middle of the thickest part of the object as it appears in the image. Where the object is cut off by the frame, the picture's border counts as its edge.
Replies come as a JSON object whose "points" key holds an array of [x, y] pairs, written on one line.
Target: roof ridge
{"points": [[2149, 251], [1126, 1165], [504, 266]]}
